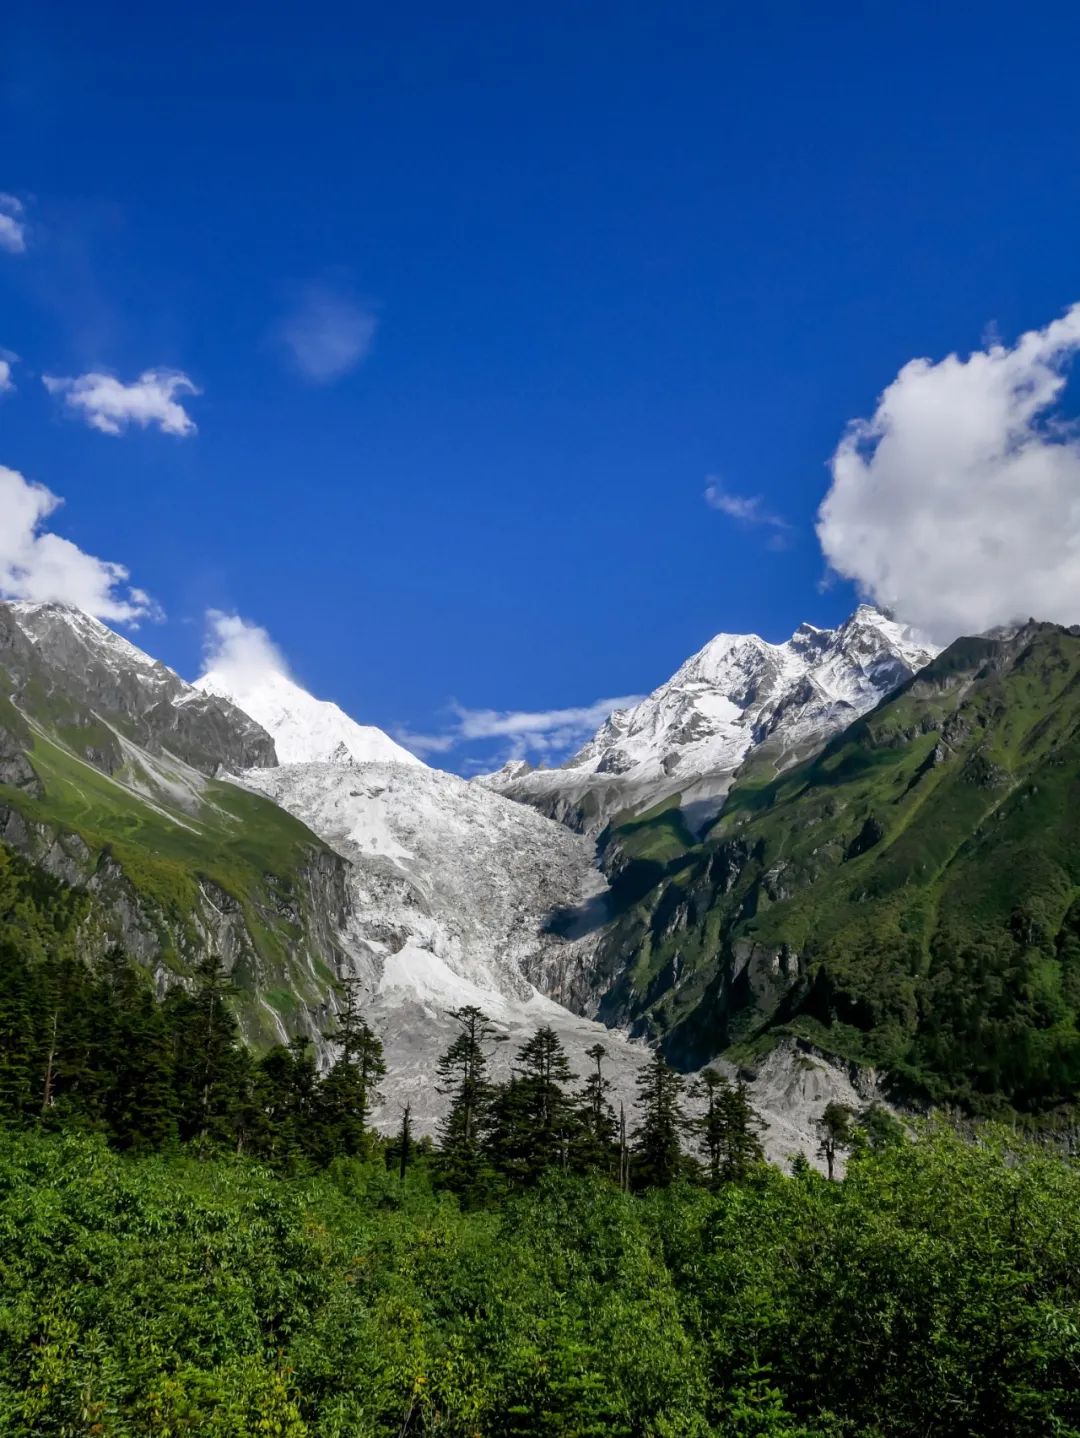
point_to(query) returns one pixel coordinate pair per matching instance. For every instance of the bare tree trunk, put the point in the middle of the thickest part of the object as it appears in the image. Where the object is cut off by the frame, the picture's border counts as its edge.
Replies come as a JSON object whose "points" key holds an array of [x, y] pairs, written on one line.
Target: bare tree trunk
{"points": [[46, 1101], [624, 1157]]}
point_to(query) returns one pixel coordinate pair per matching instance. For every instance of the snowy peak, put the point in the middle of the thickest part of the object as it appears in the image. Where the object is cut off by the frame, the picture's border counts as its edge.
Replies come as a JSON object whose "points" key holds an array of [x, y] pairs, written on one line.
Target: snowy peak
{"points": [[53, 627], [305, 730], [56, 650], [735, 695]]}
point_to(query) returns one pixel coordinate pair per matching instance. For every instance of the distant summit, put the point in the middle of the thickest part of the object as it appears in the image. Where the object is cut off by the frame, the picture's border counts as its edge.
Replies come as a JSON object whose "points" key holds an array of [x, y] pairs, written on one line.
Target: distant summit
{"points": [[305, 730], [737, 695]]}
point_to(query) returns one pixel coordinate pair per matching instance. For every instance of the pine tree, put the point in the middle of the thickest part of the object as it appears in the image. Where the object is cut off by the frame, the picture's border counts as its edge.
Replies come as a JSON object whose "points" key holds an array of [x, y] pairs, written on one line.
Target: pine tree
{"points": [[835, 1134], [134, 1053], [211, 1069], [462, 1074], [710, 1127], [20, 1005], [596, 1143], [728, 1129], [545, 1113], [281, 1125], [350, 1090], [657, 1152], [404, 1142]]}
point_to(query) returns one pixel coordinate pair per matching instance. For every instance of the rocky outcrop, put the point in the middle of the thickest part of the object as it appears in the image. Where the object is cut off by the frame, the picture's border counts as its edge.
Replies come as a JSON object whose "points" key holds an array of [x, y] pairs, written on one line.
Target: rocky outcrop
{"points": [[314, 909]]}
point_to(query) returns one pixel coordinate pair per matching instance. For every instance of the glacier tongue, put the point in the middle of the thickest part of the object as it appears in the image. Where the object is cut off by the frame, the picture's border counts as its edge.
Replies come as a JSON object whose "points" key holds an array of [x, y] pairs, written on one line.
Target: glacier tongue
{"points": [[737, 695], [453, 889], [304, 729]]}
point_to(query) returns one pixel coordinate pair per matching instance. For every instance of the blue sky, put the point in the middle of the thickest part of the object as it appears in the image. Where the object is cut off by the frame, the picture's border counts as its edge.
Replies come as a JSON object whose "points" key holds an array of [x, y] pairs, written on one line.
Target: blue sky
{"points": [[480, 304]]}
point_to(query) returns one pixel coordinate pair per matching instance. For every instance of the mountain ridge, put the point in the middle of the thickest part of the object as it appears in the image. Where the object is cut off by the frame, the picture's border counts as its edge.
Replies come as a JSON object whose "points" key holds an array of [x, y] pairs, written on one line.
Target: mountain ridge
{"points": [[739, 696]]}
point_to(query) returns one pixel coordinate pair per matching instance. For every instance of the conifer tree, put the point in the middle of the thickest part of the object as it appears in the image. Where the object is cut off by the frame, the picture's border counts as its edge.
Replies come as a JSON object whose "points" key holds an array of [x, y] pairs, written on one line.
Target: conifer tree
{"points": [[835, 1134], [462, 1076], [543, 1070], [596, 1145], [281, 1126], [657, 1152], [728, 1129], [404, 1142], [19, 1022], [133, 1051], [211, 1070], [349, 1091]]}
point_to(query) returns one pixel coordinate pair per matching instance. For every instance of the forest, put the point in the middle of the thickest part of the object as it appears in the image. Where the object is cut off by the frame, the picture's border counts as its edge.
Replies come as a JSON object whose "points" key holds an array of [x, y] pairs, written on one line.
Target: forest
{"points": [[196, 1240]]}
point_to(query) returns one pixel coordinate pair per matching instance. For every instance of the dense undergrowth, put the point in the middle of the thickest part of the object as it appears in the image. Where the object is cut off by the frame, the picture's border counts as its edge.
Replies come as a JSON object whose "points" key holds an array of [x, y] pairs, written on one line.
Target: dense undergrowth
{"points": [[935, 1290]]}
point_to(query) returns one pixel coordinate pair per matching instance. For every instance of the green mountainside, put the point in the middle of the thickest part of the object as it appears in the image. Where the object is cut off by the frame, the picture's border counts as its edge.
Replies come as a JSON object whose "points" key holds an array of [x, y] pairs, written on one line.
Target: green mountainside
{"points": [[106, 764], [909, 898]]}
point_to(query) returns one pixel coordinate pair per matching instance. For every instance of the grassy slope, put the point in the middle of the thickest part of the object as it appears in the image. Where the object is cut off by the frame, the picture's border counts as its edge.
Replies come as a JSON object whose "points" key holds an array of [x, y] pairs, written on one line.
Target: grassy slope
{"points": [[949, 949], [170, 829]]}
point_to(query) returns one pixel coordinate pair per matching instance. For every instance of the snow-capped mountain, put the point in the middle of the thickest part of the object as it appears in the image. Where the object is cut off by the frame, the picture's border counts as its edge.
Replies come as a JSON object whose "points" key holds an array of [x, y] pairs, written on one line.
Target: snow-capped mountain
{"points": [[736, 696], [434, 892], [304, 729]]}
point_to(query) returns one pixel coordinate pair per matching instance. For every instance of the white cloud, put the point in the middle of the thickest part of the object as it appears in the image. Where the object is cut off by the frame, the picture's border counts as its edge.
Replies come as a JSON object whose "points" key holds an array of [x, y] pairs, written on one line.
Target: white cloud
{"points": [[425, 744], [238, 652], [40, 566], [545, 732], [747, 509], [7, 360], [110, 406], [327, 334], [958, 504], [12, 225]]}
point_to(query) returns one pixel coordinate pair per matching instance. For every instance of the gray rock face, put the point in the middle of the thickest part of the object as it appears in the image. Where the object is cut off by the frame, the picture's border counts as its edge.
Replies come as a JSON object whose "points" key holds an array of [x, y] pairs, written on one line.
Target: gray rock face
{"points": [[88, 678]]}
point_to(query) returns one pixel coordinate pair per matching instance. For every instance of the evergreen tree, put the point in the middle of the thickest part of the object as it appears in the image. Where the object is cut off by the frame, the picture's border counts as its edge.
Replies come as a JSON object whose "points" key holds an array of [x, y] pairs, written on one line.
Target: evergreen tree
{"points": [[134, 1053], [404, 1142], [20, 1004], [710, 1127], [728, 1129], [532, 1116], [281, 1124], [462, 1076], [349, 1091], [211, 1069], [596, 1141], [657, 1156], [835, 1134]]}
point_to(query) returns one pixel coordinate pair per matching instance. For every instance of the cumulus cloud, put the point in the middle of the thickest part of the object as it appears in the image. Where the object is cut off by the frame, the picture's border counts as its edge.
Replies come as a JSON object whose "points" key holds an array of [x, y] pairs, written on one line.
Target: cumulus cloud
{"points": [[327, 334], [958, 503], [38, 565], [12, 225], [543, 733], [7, 361], [239, 652], [748, 509], [109, 405]]}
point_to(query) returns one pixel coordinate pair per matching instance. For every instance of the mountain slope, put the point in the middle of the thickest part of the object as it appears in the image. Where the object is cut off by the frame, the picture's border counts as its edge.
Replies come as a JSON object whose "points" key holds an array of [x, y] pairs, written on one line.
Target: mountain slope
{"points": [[305, 730], [106, 758], [910, 897], [96, 689], [737, 696]]}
